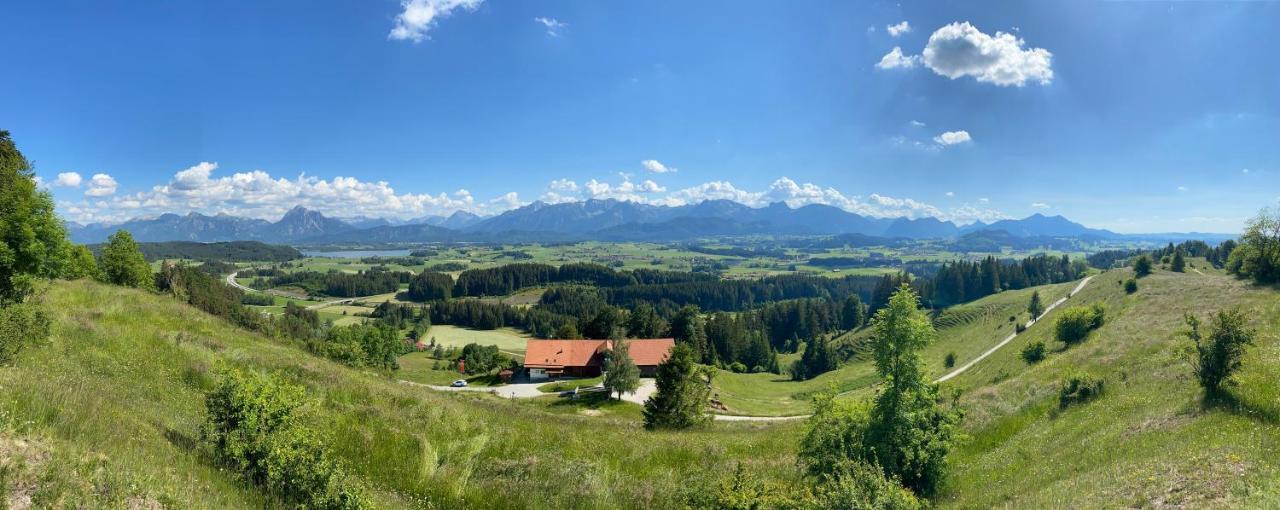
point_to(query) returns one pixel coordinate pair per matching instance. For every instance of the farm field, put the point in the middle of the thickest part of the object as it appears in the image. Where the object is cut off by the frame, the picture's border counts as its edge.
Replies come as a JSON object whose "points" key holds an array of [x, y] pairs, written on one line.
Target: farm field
{"points": [[508, 340]]}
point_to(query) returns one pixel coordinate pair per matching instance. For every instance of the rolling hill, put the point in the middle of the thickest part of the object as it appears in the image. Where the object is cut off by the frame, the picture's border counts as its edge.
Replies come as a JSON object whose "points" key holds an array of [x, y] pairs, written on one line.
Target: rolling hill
{"points": [[114, 400]]}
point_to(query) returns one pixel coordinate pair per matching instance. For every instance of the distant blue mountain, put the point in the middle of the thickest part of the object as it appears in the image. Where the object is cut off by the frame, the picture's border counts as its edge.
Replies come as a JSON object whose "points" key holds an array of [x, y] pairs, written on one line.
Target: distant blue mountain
{"points": [[605, 220]]}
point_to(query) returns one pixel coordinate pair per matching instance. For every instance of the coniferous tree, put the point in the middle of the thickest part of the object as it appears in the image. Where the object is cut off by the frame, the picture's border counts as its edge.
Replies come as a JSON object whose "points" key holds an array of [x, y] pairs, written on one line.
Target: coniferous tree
{"points": [[1179, 263], [1142, 266], [1035, 308], [567, 332], [687, 328], [681, 399], [852, 313], [644, 322]]}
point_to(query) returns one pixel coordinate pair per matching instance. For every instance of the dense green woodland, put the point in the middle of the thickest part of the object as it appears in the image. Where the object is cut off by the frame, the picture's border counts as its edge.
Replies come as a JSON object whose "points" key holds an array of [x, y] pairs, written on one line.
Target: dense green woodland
{"points": [[230, 251]]}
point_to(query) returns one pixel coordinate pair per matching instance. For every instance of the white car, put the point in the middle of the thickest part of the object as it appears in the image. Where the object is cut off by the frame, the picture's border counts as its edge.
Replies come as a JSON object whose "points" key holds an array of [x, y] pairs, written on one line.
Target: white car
{"points": [[460, 383]]}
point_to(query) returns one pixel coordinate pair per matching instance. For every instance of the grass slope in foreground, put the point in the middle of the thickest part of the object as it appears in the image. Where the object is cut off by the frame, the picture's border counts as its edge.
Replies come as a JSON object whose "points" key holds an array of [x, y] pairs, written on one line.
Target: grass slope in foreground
{"points": [[107, 413], [1149, 441]]}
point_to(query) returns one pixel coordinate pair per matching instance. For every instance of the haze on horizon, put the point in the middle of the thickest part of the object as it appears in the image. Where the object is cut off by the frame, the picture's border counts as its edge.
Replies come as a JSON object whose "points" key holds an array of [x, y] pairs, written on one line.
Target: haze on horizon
{"points": [[1115, 115]]}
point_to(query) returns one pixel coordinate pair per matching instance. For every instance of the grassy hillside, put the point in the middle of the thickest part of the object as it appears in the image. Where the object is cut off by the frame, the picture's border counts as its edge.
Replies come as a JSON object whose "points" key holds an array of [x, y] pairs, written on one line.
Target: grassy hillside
{"points": [[1149, 441], [965, 330], [107, 414]]}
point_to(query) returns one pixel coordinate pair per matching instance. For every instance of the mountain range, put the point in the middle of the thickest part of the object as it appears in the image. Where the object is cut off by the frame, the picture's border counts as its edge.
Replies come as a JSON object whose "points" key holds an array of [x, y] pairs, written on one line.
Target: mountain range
{"points": [[611, 220]]}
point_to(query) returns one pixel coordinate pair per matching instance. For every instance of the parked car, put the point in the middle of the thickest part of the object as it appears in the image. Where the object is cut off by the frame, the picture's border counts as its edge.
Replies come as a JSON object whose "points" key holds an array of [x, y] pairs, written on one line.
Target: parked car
{"points": [[460, 383]]}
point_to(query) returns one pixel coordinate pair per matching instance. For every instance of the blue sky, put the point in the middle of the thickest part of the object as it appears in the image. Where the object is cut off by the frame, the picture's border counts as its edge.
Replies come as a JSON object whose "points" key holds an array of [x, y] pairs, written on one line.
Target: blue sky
{"points": [[1133, 116]]}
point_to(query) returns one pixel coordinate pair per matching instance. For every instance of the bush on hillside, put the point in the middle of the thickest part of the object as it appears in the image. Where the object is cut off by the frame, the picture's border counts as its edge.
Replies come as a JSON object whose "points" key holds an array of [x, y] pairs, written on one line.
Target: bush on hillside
{"points": [[856, 486], [20, 325], [1075, 323], [1216, 358], [1078, 389], [1142, 266], [1131, 286], [253, 428], [950, 360], [1033, 352], [1258, 254]]}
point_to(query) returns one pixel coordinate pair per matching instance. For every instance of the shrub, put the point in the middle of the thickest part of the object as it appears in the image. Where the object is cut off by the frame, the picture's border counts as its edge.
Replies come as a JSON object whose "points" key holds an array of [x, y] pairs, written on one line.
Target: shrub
{"points": [[737, 367], [1078, 389], [1019, 327], [21, 324], [1142, 266], [1075, 323], [1216, 358], [1033, 353], [1131, 286], [253, 428], [950, 360]]}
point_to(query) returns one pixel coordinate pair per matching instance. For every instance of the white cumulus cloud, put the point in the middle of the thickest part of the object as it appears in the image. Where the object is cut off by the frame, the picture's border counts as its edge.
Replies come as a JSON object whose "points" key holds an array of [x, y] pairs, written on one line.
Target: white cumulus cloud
{"points": [[952, 138], [552, 25], [657, 167], [418, 16], [960, 49], [896, 60], [101, 185], [899, 29], [1039, 205], [68, 180]]}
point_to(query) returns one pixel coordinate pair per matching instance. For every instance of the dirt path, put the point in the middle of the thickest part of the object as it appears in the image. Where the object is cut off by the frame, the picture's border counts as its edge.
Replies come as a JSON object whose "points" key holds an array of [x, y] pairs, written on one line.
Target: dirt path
{"points": [[1011, 336], [958, 371]]}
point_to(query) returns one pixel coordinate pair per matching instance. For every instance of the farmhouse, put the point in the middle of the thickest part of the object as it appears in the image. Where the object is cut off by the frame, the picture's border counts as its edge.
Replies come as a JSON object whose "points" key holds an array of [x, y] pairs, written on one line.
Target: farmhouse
{"points": [[584, 358]]}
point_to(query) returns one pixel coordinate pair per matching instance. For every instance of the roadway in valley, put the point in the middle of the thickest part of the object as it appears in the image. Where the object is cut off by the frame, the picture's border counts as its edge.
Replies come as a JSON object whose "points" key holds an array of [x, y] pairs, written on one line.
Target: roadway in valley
{"points": [[231, 280]]}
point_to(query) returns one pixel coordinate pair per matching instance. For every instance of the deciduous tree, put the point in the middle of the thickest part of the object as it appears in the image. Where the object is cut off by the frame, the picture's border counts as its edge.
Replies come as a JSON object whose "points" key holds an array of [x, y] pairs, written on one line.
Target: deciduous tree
{"points": [[621, 373], [123, 264]]}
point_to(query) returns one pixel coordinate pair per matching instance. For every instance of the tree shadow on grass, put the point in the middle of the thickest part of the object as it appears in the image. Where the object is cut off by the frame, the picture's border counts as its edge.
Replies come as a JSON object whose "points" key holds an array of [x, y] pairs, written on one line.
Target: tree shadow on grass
{"points": [[1227, 401], [588, 400], [180, 440]]}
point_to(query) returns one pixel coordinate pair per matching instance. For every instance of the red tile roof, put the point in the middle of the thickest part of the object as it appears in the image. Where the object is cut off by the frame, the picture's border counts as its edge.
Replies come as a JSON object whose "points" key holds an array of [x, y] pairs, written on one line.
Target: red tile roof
{"points": [[581, 353]]}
